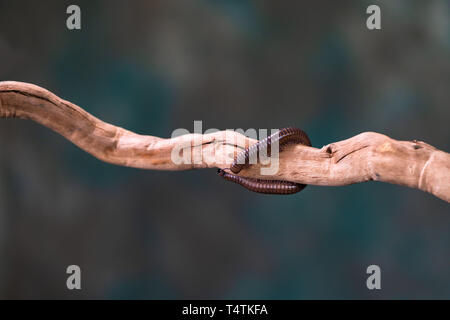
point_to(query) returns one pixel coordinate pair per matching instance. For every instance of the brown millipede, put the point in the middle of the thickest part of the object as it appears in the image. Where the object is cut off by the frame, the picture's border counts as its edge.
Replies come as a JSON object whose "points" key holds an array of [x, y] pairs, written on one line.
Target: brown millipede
{"points": [[242, 160]]}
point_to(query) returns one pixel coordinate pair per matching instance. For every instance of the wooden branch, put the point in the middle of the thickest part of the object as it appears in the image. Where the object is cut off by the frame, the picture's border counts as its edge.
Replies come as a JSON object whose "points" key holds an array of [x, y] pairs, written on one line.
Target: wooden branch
{"points": [[367, 156]]}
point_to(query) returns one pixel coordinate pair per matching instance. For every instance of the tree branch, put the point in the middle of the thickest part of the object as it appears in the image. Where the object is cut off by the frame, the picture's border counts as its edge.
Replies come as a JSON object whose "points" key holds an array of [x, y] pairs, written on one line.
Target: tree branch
{"points": [[367, 156]]}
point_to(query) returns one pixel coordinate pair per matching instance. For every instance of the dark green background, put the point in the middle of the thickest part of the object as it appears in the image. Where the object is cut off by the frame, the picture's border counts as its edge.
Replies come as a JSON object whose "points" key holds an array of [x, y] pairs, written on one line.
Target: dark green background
{"points": [[155, 66]]}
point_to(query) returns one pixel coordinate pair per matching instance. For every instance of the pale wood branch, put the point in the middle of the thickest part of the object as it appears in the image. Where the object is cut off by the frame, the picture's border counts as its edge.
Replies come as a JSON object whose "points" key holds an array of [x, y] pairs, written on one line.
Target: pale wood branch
{"points": [[367, 156]]}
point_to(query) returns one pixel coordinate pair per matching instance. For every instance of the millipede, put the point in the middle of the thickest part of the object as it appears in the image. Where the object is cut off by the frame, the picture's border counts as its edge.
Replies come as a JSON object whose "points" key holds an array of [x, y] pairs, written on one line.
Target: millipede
{"points": [[284, 137]]}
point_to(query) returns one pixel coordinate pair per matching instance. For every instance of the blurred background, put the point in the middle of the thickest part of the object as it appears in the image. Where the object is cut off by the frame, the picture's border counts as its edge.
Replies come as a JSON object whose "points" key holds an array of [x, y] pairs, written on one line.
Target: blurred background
{"points": [[155, 66]]}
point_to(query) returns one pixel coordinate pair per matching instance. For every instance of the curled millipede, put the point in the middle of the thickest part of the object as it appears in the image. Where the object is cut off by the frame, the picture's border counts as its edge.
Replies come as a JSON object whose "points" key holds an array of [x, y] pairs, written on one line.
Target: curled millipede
{"points": [[283, 137]]}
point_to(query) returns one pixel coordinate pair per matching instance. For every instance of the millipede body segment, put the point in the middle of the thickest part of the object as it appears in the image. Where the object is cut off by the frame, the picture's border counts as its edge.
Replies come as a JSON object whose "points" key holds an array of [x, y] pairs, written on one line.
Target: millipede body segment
{"points": [[263, 186], [283, 137]]}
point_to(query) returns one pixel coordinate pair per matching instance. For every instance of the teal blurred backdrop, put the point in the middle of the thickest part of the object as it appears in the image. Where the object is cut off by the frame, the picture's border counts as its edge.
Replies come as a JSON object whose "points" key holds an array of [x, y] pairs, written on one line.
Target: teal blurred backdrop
{"points": [[155, 66]]}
